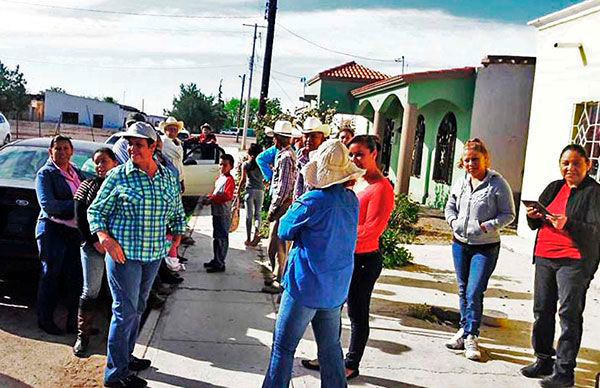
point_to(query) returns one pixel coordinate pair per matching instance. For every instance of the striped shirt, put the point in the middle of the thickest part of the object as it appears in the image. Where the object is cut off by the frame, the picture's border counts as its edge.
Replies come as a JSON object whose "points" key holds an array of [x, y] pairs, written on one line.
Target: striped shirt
{"points": [[285, 173], [136, 210]]}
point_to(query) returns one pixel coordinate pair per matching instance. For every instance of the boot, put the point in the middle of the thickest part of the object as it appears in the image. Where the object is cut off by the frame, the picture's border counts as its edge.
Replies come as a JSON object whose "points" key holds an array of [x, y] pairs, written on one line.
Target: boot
{"points": [[84, 327]]}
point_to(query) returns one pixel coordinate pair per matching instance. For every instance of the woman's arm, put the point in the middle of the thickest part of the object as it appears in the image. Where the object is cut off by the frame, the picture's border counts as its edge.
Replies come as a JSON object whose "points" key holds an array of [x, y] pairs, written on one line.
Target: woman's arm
{"points": [[451, 209], [242, 179], [291, 223], [44, 189]]}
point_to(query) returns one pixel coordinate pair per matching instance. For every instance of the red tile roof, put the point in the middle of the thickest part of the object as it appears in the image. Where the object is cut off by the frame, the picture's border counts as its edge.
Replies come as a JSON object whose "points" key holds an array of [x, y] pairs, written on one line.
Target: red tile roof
{"points": [[350, 71], [461, 72]]}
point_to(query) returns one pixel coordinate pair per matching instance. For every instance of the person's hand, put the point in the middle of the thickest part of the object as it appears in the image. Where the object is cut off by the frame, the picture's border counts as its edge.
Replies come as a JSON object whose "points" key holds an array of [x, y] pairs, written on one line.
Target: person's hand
{"points": [[483, 228], [99, 248], [532, 212], [182, 187], [112, 247], [270, 216], [557, 220]]}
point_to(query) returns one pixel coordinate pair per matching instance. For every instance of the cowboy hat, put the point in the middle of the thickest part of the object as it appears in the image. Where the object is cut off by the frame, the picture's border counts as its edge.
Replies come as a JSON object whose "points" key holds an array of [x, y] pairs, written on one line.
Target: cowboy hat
{"points": [[312, 125], [140, 130], [281, 128], [170, 121], [330, 165]]}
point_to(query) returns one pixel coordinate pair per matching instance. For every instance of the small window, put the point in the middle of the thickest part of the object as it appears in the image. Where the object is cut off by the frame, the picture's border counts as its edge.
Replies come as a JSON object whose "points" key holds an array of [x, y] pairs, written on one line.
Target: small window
{"points": [[586, 132], [444, 149], [2, 119], [70, 117], [417, 155]]}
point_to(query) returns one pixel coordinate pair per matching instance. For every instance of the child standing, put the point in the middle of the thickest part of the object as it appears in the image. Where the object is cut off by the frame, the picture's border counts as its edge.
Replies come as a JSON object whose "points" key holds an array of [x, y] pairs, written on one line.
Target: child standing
{"points": [[220, 202]]}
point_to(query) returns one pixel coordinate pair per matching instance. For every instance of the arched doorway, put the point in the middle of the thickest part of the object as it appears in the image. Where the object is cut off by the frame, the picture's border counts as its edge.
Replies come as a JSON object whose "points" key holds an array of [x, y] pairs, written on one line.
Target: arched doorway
{"points": [[444, 149], [417, 156]]}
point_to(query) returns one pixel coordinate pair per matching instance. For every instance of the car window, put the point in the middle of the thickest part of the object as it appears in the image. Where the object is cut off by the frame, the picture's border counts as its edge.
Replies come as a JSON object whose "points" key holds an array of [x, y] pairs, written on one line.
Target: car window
{"points": [[23, 162], [1, 119]]}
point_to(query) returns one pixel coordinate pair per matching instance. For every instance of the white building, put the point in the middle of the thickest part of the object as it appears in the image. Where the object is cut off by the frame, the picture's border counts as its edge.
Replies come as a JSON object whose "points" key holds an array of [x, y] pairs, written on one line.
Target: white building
{"points": [[566, 95], [69, 109]]}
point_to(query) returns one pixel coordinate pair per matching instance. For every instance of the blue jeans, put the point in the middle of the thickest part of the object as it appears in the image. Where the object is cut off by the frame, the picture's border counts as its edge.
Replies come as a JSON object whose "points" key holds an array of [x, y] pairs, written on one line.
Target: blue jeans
{"points": [[474, 266], [292, 320], [221, 224], [59, 253], [92, 263], [130, 285]]}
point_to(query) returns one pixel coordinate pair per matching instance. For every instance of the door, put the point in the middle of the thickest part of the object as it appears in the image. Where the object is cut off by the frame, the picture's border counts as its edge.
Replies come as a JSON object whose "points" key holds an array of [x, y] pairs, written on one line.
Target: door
{"points": [[98, 121], [386, 146]]}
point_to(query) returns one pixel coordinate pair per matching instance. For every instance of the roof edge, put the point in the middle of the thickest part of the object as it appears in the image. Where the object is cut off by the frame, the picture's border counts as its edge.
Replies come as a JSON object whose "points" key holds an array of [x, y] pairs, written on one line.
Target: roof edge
{"points": [[574, 10]]}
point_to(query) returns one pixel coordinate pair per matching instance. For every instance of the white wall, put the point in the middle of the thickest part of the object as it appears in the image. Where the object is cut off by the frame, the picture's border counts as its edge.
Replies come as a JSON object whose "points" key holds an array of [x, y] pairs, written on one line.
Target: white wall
{"points": [[500, 117], [561, 80], [55, 103]]}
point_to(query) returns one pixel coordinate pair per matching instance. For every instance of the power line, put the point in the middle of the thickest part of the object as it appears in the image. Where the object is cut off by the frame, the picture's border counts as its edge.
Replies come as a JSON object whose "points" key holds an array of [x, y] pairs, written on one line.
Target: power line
{"points": [[104, 11], [332, 50], [127, 67], [283, 90]]}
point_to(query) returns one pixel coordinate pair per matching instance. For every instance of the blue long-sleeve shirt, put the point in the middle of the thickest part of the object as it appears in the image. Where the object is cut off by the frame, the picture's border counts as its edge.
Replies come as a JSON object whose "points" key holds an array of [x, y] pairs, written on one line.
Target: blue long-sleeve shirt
{"points": [[323, 225], [265, 160]]}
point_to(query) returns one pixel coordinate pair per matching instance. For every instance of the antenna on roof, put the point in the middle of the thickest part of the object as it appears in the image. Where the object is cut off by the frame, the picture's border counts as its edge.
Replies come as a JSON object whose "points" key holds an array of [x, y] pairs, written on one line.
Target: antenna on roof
{"points": [[401, 59]]}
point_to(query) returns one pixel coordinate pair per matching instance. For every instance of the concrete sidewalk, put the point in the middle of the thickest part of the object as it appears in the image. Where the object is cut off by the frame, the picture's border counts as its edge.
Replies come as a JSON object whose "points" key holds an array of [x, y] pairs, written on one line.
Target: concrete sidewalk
{"points": [[216, 329]]}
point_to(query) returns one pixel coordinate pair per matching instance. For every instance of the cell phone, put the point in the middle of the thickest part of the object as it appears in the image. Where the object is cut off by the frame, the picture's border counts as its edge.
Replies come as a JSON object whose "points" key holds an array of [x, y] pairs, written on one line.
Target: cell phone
{"points": [[538, 206]]}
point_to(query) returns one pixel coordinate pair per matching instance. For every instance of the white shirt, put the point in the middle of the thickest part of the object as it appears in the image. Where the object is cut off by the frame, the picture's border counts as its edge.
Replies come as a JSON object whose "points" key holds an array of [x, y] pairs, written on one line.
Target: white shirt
{"points": [[174, 152]]}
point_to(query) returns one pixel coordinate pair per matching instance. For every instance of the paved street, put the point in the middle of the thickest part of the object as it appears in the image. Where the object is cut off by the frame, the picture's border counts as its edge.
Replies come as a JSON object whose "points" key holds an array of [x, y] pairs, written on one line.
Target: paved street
{"points": [[215, 330]]}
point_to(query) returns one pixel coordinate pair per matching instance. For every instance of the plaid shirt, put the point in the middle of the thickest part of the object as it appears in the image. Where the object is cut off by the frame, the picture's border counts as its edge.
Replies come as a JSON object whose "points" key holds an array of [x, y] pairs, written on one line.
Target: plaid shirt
{"points": [[136, 210], [285, 173], [303, 158]]}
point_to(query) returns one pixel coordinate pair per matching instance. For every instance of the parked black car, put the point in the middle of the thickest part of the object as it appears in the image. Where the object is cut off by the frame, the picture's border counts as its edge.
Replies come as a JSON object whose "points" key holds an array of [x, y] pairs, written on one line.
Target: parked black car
{"points": [[19, 209]]}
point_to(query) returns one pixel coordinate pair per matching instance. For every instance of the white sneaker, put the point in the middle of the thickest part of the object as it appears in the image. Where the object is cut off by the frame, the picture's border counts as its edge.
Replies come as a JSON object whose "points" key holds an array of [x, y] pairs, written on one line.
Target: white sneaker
{"points": [[457, 341], [472, 351]]}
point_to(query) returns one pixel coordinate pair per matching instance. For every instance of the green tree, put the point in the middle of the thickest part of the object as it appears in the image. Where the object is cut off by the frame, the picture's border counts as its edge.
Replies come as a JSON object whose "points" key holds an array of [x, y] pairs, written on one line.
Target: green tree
{"points": [[13, 95], [195, 108], [110, 99], [57, 89]]}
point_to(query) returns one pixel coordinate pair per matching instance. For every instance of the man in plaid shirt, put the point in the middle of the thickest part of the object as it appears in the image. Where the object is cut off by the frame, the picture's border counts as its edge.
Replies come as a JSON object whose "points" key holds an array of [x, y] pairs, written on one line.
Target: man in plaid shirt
{"points": [[136, 203], [282, 192]]}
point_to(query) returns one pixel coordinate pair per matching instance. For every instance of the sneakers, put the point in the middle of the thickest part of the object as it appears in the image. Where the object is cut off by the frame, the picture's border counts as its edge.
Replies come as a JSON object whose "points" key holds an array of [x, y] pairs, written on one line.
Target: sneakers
{"points": [[457, 342], [540, 368], [131, 381], [139, 364], [215, 269], [558, 380], [472, 351]]}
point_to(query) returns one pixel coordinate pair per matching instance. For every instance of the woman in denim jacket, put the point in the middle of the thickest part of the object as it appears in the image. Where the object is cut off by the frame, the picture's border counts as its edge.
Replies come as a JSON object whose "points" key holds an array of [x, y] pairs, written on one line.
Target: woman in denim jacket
{"points": [[479, 206]]}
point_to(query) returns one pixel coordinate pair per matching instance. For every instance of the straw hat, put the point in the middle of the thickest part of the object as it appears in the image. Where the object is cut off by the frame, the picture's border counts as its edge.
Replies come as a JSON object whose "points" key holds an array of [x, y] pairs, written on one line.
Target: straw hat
{"points": [[170, 121], [312, 125], [281, 128], [330, 165]]}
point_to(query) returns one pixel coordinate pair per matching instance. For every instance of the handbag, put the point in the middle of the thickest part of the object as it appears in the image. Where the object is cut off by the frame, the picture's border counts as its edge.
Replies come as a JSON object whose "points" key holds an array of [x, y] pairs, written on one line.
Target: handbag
{"points": [[235, 215]]}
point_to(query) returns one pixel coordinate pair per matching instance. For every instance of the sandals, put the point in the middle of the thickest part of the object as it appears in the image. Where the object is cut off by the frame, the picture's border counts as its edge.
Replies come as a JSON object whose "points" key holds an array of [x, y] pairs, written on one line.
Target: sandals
{"points": [[311, 364]]}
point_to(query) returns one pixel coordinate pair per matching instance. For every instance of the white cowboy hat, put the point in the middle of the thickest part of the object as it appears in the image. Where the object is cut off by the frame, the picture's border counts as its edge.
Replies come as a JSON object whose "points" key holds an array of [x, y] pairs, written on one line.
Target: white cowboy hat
{"points": [[170, 121], [330, 165], [313, 124], [282, 128], [140, 130]]}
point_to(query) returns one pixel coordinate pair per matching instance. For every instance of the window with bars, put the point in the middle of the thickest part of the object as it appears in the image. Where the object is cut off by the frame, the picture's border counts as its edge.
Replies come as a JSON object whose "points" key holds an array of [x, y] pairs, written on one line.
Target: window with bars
{"points": [[444, 149], [417, 155], [586, 132]]}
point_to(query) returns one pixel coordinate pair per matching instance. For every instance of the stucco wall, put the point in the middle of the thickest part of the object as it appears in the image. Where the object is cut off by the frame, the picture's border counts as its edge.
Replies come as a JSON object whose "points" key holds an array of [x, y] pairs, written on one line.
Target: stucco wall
{"points": [[333, 91], [56, 103], [500, 118], [561, 80]]}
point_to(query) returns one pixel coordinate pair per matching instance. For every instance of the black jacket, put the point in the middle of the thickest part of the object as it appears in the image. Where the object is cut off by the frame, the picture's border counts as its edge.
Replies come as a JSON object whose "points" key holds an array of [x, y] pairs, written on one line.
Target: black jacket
{"points": [[583, 218]]}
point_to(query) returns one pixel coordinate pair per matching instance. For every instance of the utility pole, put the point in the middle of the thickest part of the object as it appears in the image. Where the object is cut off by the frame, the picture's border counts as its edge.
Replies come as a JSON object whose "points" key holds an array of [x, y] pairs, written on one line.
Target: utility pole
{"points": [[237, 128], [247, 115], [266, 73], [401, 59]]}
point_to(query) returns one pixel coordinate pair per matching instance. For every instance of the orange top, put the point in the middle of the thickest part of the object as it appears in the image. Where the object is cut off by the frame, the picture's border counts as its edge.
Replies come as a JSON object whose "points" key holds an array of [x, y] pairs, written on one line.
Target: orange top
{"points": [[376, 205]]}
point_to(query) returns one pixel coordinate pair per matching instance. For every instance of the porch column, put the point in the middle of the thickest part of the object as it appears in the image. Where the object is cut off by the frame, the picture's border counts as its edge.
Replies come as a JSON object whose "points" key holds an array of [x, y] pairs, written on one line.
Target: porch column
{"points": [[407, 143], [378, 131]]}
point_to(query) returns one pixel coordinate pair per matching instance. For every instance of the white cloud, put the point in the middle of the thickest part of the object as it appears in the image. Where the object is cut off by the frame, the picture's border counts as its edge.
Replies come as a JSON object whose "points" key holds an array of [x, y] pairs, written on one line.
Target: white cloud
{"points": [[85, 44]]}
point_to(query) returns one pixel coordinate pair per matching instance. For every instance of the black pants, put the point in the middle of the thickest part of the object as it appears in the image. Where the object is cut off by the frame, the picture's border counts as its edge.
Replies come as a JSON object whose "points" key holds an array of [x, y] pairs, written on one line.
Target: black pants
{"points": [[221, 224], [564, 281], [367, 268]]}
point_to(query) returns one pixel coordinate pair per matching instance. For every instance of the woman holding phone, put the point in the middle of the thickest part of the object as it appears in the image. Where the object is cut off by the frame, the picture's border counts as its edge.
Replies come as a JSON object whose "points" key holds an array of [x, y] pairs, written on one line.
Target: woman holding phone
{"points": [[566, 258], [480, 204]]}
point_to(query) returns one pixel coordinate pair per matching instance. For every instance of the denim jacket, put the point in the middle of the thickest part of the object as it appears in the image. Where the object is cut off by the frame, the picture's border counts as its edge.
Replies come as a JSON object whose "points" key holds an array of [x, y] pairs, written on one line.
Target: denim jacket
{"points": [[54, 196], [490, 205]]}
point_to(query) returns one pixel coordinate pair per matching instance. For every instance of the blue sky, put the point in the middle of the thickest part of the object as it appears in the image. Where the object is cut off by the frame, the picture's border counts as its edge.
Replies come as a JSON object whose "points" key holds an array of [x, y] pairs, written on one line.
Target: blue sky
{"points": [[132, 58]]}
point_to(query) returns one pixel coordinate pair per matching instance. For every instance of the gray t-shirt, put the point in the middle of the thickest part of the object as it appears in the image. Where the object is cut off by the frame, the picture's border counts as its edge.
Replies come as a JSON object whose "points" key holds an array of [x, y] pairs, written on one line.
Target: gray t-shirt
{"points": [[254, 178]]}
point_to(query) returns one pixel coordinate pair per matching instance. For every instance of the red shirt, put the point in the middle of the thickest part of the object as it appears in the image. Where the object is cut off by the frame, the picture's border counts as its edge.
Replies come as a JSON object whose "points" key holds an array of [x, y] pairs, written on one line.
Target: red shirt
{"points": [[553, 243], [376, 203]]}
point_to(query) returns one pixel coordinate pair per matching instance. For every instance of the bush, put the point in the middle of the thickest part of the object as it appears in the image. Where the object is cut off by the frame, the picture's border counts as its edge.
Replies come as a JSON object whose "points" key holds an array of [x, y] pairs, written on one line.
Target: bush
{"points": [[400, 230]]}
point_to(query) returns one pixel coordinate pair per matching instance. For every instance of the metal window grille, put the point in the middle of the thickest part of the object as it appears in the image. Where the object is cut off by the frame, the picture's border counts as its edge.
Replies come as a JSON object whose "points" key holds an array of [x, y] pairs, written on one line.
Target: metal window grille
{"points": [[417, 155], [586, 132], [444, 150]]}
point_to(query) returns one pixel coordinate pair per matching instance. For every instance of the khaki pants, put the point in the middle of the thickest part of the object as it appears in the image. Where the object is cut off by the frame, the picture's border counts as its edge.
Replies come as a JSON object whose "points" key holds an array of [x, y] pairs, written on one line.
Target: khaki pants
{"points": [[278, 251]]}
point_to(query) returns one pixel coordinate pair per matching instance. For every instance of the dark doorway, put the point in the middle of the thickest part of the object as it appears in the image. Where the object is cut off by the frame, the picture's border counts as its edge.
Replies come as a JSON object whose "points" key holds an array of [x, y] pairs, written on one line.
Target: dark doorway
{"points": [[444, 149], [98, 121], [386, 146], [417, 156]]}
